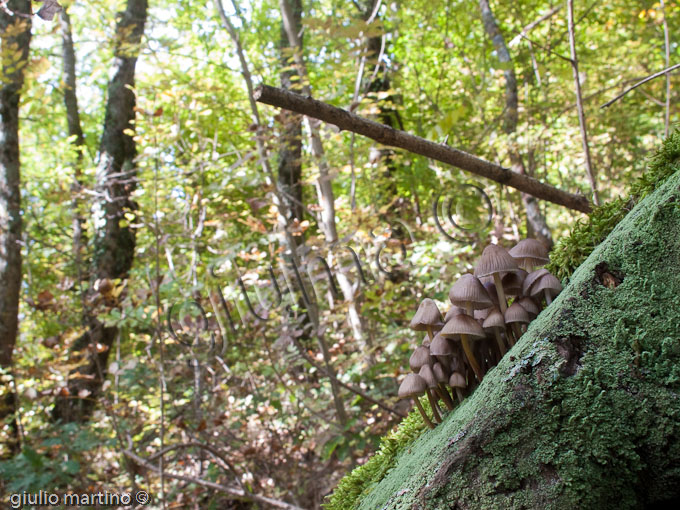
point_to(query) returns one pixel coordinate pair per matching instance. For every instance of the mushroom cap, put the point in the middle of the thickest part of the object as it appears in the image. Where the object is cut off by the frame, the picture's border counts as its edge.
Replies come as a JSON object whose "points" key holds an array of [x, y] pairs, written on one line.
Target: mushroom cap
{"points": [[440, 346], [427, 315], [428, 375], [480, 315], [457, 380], [512, 282], [454, 310], [440, 373], [462, 325], [469, 290], [490, 287], [494, 320], [530, 251], [421, 356], [530, 306], [547, 281], [456, 363], [412, 385], [495, 259], [531, 278], [515, 313]]}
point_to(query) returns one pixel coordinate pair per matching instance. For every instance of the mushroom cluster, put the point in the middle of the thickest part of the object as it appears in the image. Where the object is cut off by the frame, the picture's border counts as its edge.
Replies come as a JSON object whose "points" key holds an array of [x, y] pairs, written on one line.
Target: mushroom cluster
{"points": [[479, 327]]}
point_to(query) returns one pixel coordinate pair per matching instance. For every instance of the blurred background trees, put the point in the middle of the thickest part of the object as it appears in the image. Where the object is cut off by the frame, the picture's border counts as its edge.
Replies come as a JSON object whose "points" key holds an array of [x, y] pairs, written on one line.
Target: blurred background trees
{"points": [[204, 198]]}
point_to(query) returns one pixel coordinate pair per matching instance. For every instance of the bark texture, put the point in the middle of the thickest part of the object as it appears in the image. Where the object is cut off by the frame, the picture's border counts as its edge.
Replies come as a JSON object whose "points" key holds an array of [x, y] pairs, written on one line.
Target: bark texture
{"points": [[115, 180], [537, 227], [15, 34], [584, 411], [290, 140]]}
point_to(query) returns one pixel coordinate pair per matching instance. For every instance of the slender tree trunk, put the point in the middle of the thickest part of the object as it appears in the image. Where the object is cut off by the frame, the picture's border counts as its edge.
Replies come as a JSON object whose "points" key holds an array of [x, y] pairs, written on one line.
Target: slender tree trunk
{"points": [[75, 131], [17, 43], [115, 180], [536, 222], [290, 140], [324, 186]]}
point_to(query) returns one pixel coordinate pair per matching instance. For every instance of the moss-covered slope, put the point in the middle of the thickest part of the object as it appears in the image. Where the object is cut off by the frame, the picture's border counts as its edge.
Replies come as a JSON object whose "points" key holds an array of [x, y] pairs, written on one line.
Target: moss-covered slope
{"points": [[584, 412]]}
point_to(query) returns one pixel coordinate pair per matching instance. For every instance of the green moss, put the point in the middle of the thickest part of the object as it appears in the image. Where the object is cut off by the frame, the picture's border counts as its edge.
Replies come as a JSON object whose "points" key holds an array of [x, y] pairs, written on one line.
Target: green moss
{"points": [[357, 483], [571, 251], [514, 465]]}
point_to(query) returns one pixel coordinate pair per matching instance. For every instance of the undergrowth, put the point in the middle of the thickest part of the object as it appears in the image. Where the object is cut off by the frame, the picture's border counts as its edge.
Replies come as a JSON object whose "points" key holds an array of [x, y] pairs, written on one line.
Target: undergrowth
{"points": [[569, 253]]}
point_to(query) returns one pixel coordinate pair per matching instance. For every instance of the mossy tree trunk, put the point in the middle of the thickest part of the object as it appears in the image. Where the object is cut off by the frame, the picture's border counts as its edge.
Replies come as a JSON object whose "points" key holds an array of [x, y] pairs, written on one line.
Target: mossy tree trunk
{"points": [[584, 412]]}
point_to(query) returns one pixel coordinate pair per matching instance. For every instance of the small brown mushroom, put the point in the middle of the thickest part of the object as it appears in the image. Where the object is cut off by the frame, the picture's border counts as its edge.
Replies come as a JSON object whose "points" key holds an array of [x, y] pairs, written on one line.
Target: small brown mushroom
{"points": [[442, 376], [548, 285], [529, 253], [469, 293], [516, 315], [432, 386], [427, 318], [468, 328], [496, 323], [531, 279], [457, 382], [530, 306], [494, 261], [512, 282], [421, 356], [412, 387], [454, 310]]}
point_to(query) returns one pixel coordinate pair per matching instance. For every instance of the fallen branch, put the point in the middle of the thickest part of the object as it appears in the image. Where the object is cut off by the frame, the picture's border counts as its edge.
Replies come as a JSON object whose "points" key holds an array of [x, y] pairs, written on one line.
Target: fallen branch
{"points": [[238, 494], [641, 82], [392, 137]]}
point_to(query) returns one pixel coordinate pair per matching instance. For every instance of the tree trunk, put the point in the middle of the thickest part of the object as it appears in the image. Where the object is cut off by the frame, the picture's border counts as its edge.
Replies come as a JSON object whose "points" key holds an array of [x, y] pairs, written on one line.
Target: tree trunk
{"points": [[324, 185], [75, 131], [583, 412], [290, 140], [536, 224], [113, 244], [17, 43]]}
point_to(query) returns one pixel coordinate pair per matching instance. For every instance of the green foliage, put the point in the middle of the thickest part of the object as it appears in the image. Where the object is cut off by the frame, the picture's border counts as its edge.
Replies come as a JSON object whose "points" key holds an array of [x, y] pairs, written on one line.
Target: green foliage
{"points": [[571, 251]]}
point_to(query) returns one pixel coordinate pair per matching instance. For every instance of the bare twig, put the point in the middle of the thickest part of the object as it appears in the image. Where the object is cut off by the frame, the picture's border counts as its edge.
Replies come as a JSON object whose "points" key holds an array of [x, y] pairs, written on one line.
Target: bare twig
{"points": [[641, 82], [396, 138], [515, 40], [579, 102]]}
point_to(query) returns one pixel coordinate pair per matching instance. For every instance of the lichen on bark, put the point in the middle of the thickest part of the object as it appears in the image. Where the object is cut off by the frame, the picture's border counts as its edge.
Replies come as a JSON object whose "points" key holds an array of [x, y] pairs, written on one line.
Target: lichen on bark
{"points": [[584, 412]]}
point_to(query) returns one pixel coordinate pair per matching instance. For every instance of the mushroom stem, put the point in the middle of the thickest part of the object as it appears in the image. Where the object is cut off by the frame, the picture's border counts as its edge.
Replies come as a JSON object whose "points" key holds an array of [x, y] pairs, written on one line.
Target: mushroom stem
{"points": [[471, 357], [459, 394], [501, 294], [499, 341], [429, 332], [441, 391], [548, 299], [433, 404], [423, 413], [516, 330]]}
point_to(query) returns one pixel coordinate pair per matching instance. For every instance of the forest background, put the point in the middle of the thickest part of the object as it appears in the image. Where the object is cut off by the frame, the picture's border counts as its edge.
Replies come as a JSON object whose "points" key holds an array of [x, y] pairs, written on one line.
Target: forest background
{"points": [[145, 344]]}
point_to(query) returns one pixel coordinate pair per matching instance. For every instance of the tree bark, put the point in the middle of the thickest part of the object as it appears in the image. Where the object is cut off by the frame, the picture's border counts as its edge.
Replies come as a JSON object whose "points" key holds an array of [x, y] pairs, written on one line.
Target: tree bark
{"points": [[15, 35], [583, 412], [114, 244], [290, 140], [389, 136], [537, 226], [75, 131]]}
